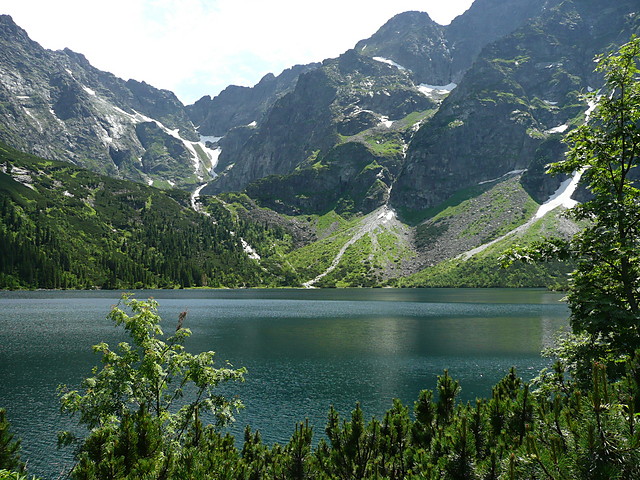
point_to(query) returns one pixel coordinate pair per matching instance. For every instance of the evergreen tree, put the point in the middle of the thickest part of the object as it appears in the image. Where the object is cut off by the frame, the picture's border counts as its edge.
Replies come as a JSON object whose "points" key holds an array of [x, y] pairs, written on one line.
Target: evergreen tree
{"points": [[9, 447]]}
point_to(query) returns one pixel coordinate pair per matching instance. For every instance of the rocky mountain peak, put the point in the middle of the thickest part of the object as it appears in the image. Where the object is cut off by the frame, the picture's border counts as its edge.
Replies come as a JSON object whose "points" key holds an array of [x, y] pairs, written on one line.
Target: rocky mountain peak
{"points": [[9, 30], [513, 104], [55, 104], [77, 58], [239, 106], [484, 22], [415, 42]]}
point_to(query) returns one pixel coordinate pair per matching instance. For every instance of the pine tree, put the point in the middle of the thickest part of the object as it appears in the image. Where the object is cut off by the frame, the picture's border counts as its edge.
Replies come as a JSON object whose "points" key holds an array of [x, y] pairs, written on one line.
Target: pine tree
{"points": [[9, 448]]}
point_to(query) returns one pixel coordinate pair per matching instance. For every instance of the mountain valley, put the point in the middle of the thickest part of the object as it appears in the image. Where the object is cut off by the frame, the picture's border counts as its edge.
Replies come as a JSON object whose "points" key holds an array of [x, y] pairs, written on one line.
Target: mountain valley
{"points": [[389, 165]]}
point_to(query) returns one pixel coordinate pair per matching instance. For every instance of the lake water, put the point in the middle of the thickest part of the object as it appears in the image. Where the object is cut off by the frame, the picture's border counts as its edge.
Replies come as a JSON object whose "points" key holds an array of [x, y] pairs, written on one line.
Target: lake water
{"points": [[304, 349]]}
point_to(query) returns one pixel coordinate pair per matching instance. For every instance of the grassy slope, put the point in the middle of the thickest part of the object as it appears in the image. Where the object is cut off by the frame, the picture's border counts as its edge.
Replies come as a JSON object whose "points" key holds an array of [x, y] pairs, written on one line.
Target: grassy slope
{"points": [[65, 227], [484, 269], [385, 256]]}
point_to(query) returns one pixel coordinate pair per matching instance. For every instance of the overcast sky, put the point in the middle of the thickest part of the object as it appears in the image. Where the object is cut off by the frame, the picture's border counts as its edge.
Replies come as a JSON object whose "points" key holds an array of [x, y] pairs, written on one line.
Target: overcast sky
{"points": [[198, 47]]}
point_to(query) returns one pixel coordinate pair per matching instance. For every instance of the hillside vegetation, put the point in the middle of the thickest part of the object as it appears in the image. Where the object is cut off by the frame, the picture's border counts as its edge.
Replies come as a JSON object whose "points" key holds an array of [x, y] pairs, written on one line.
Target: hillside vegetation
{"points": [[65, 227]]}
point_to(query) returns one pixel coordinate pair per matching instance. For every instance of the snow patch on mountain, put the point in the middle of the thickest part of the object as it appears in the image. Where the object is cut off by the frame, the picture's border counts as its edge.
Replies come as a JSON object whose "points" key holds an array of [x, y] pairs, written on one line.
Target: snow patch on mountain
{"points": [[198, 163], [561, 197], [249, 250], [512, 172], [436, 90], [386, 122], [205, 139], [558, 129], [592, 104], [22, 176], [119, 120], [33, 117], [391, 62]]}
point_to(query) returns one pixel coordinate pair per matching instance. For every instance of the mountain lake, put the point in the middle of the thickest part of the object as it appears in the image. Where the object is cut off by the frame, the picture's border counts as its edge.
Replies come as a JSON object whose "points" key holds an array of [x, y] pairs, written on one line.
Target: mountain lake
{"points": [[304, 350]]}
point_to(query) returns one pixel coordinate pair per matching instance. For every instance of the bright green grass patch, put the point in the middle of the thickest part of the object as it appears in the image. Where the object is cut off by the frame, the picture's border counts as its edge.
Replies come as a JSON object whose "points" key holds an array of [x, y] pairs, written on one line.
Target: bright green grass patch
{"points": [[385, 145], [330, 222], [391, 248], [355, 267], [314, 259]]}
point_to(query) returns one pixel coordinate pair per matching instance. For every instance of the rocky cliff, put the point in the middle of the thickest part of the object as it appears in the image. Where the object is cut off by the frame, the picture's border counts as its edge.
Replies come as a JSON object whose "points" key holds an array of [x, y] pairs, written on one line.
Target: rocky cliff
{"points": [[429, 109], [56, 105], [522, 92], [520, 74], [240, 106], [341, 99], [416, 43], [423, 145]]}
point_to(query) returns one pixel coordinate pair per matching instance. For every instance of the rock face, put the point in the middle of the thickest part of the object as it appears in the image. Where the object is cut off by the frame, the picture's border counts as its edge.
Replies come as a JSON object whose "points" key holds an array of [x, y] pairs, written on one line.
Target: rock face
{"points": [[349, 178], [520, 65], [523, 91], [56, 105], [410, 116], [240, 106], [485, 22], [415, 42], [340, 99]]}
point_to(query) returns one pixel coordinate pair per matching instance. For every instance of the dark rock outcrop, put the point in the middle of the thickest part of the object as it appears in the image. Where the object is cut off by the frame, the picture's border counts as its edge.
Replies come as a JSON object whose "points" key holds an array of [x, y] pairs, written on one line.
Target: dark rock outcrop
{"points": [[326, 102], [238, 106], [415, 42]]}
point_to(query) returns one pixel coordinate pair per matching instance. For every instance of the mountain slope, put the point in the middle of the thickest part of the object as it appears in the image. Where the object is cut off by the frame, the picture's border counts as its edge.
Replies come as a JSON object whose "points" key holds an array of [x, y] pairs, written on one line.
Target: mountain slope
{"points": [[485, 22], [65, 227], [415, 42], [522, 93], [438, 55], [363, 170], [56, 105], [498, 119], [379, 249], [344, 97], [237, 106]]}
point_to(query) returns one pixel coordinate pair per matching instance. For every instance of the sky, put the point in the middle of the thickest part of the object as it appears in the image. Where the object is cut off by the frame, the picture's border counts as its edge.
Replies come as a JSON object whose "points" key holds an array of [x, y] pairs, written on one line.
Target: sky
{"points": [[198, 47]]}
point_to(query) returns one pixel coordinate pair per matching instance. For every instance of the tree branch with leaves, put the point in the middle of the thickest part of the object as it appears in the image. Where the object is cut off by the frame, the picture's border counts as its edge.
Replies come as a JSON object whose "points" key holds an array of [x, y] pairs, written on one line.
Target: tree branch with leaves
{"points": [[150, 393], [604, 292]]}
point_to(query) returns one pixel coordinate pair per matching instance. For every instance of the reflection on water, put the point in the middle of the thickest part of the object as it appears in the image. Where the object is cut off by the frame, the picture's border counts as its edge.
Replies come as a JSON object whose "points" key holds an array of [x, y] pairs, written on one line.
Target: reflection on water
{"points": [[304, 349]]}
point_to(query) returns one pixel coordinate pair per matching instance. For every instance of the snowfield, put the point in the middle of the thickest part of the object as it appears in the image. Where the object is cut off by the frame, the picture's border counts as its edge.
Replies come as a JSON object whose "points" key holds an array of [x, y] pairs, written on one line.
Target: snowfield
{"points": [[390, 62], [429, 90]]}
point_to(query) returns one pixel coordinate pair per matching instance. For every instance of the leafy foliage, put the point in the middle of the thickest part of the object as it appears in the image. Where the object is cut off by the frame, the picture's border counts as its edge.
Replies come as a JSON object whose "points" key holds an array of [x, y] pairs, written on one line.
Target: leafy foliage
{"points": [[604, 296], [145, 409], [9, 475], [9, 448], [553, 431], [145, 405]]}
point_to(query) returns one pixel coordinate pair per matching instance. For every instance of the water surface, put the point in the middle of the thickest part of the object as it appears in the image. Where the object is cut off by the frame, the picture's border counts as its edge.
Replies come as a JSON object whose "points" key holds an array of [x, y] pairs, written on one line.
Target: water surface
{"points": [[304, 349]]}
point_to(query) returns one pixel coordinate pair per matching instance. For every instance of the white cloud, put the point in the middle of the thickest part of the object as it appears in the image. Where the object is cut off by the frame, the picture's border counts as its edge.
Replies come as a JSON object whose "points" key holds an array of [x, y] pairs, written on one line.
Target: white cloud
{"points": [[197, 47]]}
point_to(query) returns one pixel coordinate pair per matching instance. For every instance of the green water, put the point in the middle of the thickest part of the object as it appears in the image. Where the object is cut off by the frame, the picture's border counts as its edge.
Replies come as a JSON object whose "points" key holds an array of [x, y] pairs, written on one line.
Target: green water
{"points": [[304, 349]]}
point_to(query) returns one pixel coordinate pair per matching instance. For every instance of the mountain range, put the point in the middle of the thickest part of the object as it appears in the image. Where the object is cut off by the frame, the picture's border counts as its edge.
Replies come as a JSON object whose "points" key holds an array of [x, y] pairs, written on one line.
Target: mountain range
{"points": [[386, 165]]}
